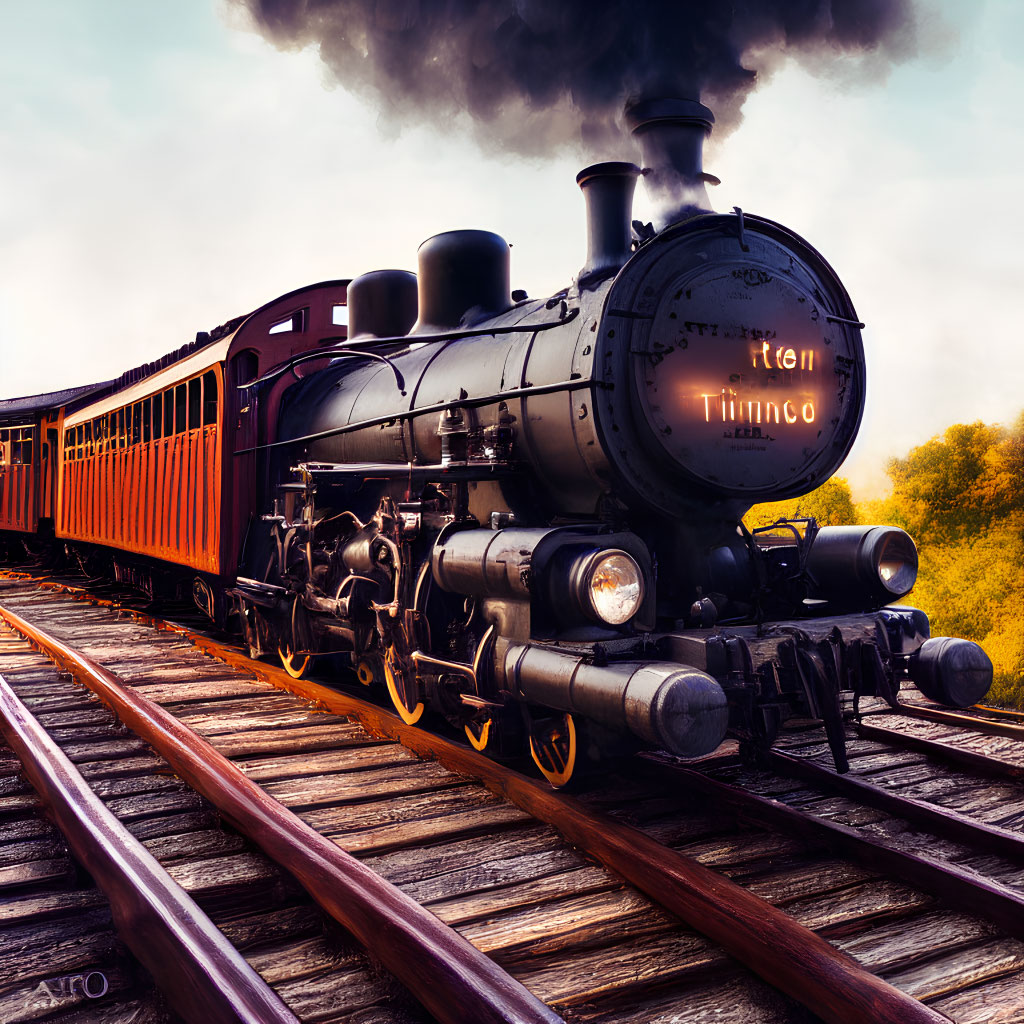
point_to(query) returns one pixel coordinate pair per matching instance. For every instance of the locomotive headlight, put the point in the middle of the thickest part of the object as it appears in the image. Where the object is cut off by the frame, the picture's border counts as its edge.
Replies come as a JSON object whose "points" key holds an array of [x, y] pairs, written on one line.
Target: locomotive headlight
{"points": [[861, 566], [897, 563], [610, 586]]}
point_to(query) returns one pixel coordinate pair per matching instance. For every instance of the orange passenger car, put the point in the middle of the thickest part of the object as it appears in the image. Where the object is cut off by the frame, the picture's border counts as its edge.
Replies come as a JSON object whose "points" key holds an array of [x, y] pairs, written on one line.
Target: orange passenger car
{"points": [[17, 478], [30, 457], [165, 465], [141, 468]]}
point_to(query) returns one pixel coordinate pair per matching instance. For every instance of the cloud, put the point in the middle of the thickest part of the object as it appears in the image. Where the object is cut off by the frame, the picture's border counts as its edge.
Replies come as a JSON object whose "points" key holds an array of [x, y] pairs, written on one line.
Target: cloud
{"points": [[535, 77]]}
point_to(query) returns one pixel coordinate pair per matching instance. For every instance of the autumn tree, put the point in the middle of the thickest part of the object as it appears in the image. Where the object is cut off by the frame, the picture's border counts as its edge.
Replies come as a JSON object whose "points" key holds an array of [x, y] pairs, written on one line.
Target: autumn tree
{"points": [[958, 485]]}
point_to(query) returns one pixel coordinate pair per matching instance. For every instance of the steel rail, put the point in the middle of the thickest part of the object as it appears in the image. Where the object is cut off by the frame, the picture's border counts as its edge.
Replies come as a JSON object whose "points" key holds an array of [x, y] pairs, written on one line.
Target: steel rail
{"points": [[1010, 713], [203, 977], [941, 820], [960, 756], [973, 722], [768, 941], [967, 890], [453, 980]]}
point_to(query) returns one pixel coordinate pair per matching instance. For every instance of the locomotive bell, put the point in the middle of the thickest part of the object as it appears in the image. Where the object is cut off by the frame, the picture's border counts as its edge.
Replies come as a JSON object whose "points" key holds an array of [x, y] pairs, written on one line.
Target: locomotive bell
{"points": [[671, 133], [463, 279]]}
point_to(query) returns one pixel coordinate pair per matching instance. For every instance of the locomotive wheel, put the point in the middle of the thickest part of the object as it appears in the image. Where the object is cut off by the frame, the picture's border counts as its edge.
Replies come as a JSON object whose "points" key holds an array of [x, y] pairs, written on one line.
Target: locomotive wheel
{"points": [[296, 665], [368, 671], [479, 733], [554, 748], [409, 709]]}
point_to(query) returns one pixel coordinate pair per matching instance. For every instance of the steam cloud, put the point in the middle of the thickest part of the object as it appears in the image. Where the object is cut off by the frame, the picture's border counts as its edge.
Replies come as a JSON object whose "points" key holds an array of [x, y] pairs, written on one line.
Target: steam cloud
{"points": [[534, 75]]}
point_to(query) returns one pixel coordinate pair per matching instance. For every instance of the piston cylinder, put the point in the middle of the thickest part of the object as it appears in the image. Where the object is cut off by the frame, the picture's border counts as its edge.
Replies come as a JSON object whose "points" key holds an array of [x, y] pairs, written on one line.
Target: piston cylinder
{"points": [[674, 707], [486, 563]]}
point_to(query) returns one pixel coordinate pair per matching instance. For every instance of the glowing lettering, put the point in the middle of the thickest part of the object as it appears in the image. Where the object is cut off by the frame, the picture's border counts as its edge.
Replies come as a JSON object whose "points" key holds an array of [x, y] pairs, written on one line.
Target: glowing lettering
{"points": [[785, 358], [731, 407]]}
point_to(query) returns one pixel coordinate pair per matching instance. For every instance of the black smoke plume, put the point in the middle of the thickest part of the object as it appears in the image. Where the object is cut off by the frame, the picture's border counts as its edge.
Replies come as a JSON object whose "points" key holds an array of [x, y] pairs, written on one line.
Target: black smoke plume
{"points": [[534, 75]]}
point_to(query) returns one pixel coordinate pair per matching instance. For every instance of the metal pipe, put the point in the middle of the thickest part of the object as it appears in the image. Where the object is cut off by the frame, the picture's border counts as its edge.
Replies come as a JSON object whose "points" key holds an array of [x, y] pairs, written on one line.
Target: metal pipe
{"points": [[675, 707], [671, 133]]}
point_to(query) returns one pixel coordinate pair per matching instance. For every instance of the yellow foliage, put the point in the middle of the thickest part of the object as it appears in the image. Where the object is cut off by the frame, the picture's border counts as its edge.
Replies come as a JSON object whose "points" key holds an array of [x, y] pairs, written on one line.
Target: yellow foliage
{"points": [[961, 497], [973, 589], [831, 504]]}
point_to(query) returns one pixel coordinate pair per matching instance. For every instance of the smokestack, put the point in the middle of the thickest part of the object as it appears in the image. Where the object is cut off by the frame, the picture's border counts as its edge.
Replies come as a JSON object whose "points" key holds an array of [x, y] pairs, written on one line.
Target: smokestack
{"points": [[608, 192], [671, 133]]}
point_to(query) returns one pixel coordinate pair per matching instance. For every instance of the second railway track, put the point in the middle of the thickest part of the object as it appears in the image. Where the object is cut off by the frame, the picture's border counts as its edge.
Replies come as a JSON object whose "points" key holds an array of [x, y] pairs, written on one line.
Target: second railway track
{"points": [[556, 915]]}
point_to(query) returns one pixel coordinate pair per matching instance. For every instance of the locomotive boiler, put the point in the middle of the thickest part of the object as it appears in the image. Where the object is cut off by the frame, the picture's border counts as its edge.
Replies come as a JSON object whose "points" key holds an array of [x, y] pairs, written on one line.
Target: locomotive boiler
{"points": [[525, 515]]}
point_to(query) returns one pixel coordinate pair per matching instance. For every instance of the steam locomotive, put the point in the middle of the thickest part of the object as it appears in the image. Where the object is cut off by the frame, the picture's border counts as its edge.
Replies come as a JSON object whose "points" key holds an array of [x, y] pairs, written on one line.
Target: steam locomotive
{"points": [[525, 515]]}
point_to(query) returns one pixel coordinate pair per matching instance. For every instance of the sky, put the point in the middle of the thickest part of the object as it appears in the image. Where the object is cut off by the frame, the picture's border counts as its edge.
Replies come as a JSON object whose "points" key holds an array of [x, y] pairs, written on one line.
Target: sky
{"points": [[163, 169]]}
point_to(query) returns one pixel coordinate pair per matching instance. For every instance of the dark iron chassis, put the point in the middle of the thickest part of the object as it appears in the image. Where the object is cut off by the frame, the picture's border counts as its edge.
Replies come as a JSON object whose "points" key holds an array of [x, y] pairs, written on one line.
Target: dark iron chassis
{"points": [[499, 690]]}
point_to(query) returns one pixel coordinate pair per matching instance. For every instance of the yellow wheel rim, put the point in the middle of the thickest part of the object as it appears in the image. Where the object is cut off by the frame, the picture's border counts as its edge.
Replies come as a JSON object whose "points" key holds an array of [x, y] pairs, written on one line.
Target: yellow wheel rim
{"points": [[410, 717], [478, 737], [556, 757], [295, 665]]}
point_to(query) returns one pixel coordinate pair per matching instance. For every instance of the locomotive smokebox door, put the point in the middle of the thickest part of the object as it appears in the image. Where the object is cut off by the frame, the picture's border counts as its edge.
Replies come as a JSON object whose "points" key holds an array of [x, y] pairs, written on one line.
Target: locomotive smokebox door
{"points": [[745, 363]]}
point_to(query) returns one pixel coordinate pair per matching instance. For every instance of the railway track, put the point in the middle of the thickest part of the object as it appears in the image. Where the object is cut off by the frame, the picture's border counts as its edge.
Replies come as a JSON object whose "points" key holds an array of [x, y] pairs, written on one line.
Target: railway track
{"points": [[586, 916]]}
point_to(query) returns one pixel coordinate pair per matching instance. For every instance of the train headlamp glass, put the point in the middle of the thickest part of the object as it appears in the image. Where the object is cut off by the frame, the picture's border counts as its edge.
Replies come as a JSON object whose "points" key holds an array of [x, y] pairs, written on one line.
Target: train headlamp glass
{"points": [[611, 586], [896, 563]]}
